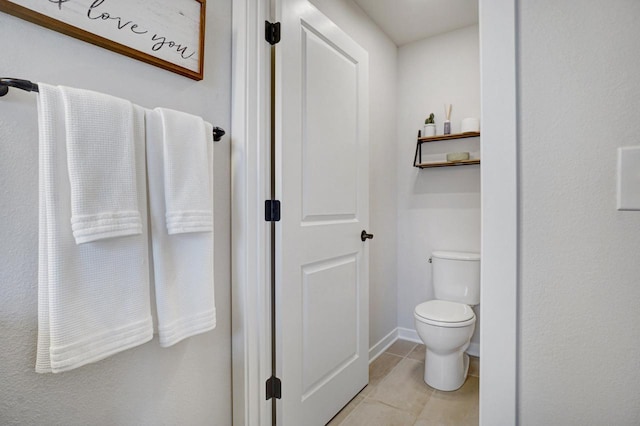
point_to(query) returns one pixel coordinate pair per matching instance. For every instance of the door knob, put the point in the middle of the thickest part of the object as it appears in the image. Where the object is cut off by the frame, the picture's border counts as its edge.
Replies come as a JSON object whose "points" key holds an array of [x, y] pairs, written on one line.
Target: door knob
{"points": [[364, 236]]}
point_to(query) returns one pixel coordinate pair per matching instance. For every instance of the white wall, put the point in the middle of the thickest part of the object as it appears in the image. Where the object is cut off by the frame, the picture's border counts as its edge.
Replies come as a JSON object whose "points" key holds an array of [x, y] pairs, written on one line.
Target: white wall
{"points": [[382, 160], [439, 208], [187, 384], [579, 328]]}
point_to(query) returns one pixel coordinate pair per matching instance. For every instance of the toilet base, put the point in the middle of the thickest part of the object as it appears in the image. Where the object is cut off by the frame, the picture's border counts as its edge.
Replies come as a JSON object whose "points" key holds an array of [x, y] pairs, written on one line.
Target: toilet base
{"points": [[446, 372]]}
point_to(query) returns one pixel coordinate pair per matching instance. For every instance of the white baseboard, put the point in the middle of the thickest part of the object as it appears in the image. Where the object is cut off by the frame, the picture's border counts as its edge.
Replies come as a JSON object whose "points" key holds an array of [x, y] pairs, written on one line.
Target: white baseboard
{"points": [[408, 334], [376, 350], [474, 349]]}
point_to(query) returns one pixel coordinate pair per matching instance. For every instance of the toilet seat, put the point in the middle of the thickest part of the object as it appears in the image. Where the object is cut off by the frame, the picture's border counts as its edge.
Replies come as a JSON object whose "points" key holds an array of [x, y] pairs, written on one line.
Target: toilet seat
{"points": [[443, 313]]}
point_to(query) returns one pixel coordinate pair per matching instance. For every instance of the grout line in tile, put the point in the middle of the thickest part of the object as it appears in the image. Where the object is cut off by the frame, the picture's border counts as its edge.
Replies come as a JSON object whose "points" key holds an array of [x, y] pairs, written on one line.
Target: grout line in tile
{"points": [[415, 345], [352, 411], [382, 379], [401, 356], [367, 397]]}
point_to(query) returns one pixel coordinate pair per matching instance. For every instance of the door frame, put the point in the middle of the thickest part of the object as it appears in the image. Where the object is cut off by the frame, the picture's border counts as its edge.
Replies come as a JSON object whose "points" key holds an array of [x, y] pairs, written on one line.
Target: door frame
{"points": [[499, 195], [250, 233], [250, 239]]}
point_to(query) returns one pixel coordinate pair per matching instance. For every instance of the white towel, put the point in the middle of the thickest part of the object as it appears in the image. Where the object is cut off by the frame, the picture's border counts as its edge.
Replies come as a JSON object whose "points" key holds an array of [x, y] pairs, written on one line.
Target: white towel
{"points": [[101, 164], [182, 263], [187, 187], [93, 299]]}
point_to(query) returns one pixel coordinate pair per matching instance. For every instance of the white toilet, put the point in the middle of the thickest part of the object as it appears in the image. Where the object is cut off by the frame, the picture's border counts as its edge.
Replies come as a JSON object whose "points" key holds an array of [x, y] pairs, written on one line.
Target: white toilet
{"points": [[446, 324]]}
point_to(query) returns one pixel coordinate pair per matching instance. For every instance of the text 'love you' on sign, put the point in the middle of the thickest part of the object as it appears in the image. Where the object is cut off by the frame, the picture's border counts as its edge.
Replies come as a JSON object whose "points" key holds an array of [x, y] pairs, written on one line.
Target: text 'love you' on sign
{"points": [[166, 33]]}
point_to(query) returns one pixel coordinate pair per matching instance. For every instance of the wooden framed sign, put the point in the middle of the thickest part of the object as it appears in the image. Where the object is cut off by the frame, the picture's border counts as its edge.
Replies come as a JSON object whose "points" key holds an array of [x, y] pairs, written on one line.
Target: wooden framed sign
{"points": [[165, 33]]}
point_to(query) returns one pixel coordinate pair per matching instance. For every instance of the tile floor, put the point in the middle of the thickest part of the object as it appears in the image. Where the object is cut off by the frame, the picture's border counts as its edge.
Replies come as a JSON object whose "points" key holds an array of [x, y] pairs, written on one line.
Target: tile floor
{"points": [[397, 394]]}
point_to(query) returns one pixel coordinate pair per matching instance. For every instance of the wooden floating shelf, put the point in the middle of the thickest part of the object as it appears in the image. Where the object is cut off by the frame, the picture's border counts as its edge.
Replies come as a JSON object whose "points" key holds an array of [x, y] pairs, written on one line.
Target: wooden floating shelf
{"points": [[449, 137], [448, 163], [439, 138]]}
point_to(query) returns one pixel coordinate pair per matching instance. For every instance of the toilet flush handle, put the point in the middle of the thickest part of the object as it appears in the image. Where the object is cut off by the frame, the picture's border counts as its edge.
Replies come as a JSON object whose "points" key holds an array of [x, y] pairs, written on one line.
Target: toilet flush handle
{"points": [[364, 236], [430, 259]]}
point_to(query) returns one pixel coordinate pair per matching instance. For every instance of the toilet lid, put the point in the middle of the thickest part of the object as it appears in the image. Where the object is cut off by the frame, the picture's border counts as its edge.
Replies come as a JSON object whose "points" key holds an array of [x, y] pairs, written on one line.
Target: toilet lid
{"points": [[444, 311]]}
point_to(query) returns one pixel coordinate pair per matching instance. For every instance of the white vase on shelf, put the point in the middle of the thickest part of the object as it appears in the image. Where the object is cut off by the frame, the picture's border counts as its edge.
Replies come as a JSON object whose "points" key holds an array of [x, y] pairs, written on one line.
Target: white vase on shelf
{"points": [[429, 130]]}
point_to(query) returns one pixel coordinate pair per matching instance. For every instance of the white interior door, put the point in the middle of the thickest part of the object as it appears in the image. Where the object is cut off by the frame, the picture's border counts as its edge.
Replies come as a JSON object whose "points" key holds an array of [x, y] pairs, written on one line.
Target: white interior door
{"points": [[322, 266]]}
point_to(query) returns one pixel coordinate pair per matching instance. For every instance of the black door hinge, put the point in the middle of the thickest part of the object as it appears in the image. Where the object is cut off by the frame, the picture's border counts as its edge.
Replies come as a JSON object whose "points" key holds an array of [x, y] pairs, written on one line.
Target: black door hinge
{"points": [[272, 32], [272, 210], [274, 388]]}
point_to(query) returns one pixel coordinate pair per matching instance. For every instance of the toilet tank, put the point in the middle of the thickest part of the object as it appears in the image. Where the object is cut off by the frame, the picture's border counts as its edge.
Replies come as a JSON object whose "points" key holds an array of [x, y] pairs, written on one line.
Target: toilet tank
{"points": [[456, 276]]}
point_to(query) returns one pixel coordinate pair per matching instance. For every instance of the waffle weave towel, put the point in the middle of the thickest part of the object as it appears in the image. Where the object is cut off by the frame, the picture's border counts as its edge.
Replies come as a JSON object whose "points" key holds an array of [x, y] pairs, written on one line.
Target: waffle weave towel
{"points": [[101, 165], [182, 262], [187, 183], [93, 299]]}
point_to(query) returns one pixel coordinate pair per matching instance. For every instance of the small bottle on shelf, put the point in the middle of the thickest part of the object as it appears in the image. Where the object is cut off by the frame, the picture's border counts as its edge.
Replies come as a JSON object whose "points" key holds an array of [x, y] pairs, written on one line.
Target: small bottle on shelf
{"points": [[447, 127]]}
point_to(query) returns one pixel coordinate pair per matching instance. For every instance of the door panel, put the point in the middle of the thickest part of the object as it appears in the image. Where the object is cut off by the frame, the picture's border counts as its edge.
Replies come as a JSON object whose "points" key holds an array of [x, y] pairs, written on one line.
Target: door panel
{"points": [[328, 286], [321, 157], [329, 113]]}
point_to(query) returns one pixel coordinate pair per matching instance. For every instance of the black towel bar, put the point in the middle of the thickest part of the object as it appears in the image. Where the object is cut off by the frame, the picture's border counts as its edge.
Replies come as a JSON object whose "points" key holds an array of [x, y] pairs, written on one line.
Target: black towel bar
{"points": [[29, 86]]}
